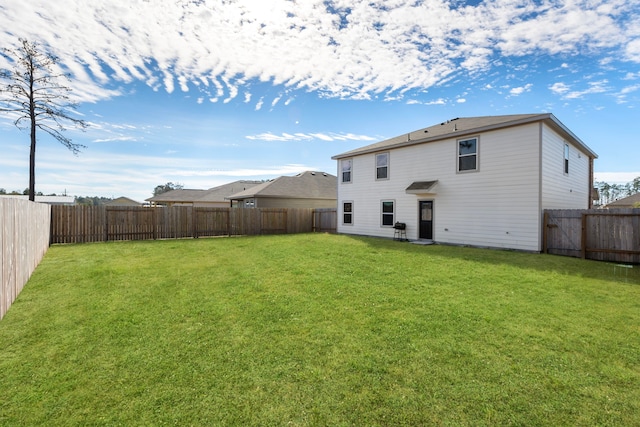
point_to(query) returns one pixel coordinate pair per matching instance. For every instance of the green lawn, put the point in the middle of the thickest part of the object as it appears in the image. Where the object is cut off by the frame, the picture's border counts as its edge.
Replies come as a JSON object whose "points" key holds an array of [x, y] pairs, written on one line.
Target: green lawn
{"points": [[319, 329]]}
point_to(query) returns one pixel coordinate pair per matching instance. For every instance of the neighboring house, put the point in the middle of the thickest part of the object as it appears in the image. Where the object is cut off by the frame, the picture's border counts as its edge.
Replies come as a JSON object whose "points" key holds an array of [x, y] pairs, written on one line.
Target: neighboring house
{"points": [[480, 181], [632, 201], [50, 200], [217, 196], [306, 190], [123, 201], [214, 197], [176, 198]]}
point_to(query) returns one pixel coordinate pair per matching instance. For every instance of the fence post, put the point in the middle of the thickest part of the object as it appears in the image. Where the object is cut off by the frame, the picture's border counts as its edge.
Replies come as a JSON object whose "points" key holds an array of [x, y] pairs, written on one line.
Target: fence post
{"points": [[583, 243], [545, 230], [106, 223], [194, 222]]}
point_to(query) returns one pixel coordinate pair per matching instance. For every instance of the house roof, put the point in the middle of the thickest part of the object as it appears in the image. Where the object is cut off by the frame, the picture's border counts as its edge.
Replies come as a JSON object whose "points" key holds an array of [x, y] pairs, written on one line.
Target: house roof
{"points": [[625, 202], [305, 185], [123, 201], [50, 200], [214, 194], [220, 193], [462, 126], [176, 196], [422, 187]]}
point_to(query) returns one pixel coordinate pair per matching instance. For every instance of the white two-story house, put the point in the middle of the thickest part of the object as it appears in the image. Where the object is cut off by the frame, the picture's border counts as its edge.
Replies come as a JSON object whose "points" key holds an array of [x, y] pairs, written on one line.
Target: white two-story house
{"points": [[480, 181]]}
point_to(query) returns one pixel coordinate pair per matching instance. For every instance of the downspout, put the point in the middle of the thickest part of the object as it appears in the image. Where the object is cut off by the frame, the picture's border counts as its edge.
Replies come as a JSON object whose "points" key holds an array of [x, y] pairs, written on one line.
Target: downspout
{"points": [[590, 192]]}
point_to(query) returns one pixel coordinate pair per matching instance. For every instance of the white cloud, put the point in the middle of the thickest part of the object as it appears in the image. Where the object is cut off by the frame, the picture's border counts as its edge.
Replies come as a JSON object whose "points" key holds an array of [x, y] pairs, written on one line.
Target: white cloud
{"points": [[520, 90], [381, 47], [299, 136], [116, 139], [559, 88], [594, 87], [632, 50], [565, 91], [616, 177]]}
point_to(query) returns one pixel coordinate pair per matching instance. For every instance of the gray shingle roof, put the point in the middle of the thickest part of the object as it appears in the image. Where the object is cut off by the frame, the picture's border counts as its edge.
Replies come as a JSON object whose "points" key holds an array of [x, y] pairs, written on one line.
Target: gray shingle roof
{"points": [[177, 196], [306, 185], [214, 194], [462, 126], [626, 202], [220, 193]]}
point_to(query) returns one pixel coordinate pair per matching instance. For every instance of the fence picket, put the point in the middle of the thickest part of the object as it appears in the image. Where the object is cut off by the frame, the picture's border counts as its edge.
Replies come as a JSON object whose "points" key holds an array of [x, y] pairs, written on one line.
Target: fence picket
{"points": [[598, 234], [80, 224], [24, 239]]}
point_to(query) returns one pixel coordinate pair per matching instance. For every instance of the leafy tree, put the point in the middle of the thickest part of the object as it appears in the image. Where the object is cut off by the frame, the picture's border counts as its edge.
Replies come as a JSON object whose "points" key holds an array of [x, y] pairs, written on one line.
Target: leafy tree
{"points": [[612, 192], [92, 201], [166, 187], [32, 94]]}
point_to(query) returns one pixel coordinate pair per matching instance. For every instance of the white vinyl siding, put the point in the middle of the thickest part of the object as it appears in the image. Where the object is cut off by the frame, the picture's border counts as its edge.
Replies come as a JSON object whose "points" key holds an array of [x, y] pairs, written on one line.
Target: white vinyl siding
{"points": [[496, 207], [559, 189]]}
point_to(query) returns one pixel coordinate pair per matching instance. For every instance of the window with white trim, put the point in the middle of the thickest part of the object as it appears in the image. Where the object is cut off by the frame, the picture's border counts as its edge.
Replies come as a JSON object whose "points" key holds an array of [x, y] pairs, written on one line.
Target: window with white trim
{"points": [[387, 213], [468, 155], [346, 166], [566, 159], [382, 166], [347, 213]]}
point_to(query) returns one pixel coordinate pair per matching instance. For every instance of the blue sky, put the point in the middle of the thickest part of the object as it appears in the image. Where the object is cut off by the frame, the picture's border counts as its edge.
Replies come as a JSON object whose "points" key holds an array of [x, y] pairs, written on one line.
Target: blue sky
{"points": [[204, 92]]}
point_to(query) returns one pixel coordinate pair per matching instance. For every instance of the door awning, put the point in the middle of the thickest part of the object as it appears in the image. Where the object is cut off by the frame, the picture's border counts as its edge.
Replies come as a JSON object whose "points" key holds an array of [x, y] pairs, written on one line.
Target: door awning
{"points": [[422, 187]]}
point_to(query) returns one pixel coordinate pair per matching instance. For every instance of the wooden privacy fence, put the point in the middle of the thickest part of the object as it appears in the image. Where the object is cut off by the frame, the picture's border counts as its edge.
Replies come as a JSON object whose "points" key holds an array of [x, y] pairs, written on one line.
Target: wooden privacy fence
{"points": [[599, 234], [325, 220], [80, 224], [24, 239]]}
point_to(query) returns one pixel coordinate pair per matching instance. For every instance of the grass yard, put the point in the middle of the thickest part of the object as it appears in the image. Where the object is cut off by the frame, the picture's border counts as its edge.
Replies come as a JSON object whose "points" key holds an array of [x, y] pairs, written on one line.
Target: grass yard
{"points": [[319, 329]]}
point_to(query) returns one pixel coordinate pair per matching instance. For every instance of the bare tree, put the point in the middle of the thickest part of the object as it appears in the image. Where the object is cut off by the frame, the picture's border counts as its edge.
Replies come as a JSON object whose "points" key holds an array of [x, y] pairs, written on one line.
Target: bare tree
{"points": [[32, 93]]}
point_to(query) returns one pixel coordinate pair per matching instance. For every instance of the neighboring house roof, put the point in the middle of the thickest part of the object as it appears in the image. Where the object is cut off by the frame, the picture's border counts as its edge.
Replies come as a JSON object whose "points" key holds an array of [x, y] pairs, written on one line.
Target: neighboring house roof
{"points": [[123, 201], [305, 185], [627, 202], [220, 193], [459, 127], [214, 194], [50, 200]]}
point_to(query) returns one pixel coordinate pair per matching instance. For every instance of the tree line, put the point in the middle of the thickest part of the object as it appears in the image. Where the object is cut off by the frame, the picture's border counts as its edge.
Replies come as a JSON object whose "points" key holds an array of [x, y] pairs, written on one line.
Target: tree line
{"points": [[93, 200], [611, 192]]}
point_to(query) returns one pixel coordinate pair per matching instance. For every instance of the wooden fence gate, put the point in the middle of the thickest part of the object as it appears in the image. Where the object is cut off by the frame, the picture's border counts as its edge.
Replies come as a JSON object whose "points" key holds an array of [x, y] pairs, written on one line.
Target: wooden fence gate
{"points": [[599, 234]]}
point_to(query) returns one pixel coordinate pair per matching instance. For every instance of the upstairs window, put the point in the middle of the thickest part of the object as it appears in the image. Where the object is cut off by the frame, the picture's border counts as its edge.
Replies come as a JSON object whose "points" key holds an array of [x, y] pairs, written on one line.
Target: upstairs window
{"points": [[468, 155], [388, 213], [566, 159], [346, 166], [347, 213], [382, 166]]}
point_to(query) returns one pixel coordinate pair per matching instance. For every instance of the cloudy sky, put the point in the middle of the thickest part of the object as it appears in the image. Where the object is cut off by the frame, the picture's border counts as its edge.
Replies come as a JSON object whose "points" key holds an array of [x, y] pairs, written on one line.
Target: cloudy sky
{"points": [[204, 92]]}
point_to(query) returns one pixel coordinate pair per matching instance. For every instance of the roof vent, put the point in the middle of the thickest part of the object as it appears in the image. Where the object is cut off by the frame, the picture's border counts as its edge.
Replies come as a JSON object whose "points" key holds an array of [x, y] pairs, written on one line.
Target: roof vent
{"points": [[313, 173]]}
